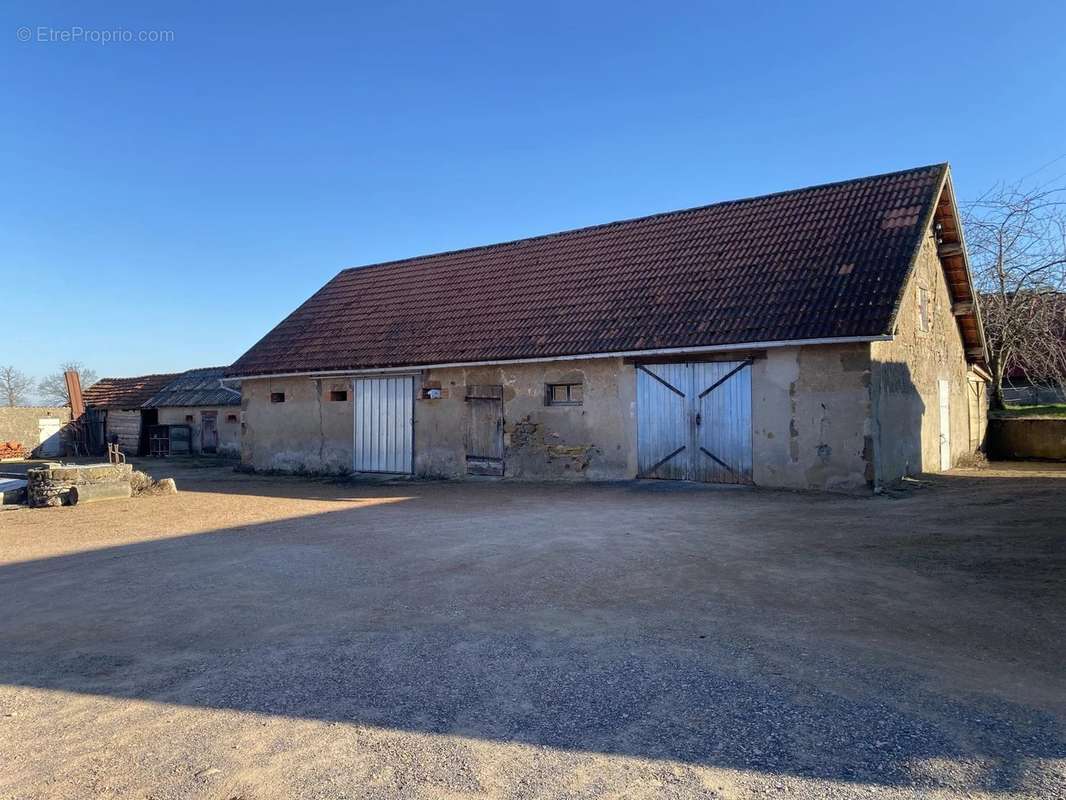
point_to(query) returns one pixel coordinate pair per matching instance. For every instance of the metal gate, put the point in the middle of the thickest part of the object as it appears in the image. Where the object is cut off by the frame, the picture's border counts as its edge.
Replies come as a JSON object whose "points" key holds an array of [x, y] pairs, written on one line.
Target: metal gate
{"points": [[694, 421], [384, 419]]}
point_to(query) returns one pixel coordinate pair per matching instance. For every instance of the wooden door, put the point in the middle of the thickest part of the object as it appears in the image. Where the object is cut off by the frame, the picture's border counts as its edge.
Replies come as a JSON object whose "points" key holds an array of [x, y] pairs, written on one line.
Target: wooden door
{"points": [[208, 431], [484, 433], [694, 421], [664, 435], [722, 397]]}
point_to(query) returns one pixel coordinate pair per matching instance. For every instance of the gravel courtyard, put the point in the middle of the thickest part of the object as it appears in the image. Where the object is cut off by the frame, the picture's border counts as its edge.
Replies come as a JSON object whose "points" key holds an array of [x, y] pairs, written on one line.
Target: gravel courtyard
{"points": [[257, 637]]}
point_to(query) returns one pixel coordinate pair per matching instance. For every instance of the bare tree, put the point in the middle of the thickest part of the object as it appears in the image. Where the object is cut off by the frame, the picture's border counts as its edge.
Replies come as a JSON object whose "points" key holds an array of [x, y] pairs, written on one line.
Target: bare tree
{"points": [[1016, 238], [53, 388], [14, 385]]}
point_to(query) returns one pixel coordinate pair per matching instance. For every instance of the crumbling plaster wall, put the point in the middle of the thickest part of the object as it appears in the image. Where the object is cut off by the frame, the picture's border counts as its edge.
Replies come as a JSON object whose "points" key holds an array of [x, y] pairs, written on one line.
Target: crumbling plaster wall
{"points": [[596, 440], [905, 375], [306, 433], [229, 433], [811, 425]]}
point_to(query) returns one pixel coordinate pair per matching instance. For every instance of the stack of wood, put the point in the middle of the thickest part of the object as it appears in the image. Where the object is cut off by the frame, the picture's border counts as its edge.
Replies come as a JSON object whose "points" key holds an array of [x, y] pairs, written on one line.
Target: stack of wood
{"points": [[11, 450]]}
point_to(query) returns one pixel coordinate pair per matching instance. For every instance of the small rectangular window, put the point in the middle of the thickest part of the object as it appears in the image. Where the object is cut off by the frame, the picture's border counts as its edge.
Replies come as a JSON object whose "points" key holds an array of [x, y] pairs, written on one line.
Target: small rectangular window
{"points": [[563, 394], [277, 397], [188, 417], [923, 309], [231, 418], [338, 395]]}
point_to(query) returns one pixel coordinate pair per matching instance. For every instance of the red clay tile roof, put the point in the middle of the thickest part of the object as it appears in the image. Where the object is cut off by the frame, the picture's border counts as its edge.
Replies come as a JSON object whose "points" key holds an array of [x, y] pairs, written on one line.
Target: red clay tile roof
{"points": [[125, 392], [826, 261]]}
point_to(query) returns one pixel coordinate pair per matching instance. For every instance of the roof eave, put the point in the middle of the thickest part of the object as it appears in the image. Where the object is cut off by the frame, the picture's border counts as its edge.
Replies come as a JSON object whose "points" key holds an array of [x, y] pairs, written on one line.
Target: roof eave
{"points": [[928, 218], [664, 351]]}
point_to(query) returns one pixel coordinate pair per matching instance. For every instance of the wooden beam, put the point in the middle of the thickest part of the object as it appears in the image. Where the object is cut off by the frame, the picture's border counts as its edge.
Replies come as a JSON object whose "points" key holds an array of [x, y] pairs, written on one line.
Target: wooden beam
{"points": [[948, 249], [731, 355]]}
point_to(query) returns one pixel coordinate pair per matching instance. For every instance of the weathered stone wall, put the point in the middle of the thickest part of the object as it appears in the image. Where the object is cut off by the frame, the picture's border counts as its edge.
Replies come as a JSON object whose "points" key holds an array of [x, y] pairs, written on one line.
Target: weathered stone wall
{"points": [[596, 440], [50, 484], [229, 432], [22, 423], [905, 375], [811, 417]]}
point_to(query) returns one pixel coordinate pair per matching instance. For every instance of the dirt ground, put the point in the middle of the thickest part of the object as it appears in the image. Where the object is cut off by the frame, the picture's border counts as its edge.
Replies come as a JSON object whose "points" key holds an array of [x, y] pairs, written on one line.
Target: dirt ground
{"points": [[255, 637]]}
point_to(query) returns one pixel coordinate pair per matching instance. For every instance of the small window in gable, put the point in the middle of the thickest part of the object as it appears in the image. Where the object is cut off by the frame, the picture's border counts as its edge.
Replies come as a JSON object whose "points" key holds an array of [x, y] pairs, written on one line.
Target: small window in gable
{"points": [[188, 417], [924, 317], [563, 394], [231, 418], [277, 397]]}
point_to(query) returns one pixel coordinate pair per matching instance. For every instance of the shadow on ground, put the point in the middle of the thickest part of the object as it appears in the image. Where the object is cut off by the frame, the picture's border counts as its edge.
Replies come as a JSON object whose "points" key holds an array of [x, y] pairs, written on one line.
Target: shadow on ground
{"points": [[840, 638]]}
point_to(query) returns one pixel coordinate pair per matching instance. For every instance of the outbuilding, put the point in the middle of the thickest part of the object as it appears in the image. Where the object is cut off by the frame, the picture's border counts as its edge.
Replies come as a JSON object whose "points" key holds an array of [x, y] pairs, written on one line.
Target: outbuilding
{"points": [[114, 413], [197, 398], [825, 337], [195, 403]]}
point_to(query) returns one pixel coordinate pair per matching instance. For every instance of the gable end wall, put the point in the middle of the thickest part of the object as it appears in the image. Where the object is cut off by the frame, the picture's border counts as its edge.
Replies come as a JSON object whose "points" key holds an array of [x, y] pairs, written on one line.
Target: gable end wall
{"points": [[906, 371]]}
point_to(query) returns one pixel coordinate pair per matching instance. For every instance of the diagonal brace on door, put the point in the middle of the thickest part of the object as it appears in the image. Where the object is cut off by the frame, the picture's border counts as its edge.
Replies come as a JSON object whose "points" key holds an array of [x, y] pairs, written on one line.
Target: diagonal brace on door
{"points": [[716, 459], [669, 386], [660, 462], [723, 379]]}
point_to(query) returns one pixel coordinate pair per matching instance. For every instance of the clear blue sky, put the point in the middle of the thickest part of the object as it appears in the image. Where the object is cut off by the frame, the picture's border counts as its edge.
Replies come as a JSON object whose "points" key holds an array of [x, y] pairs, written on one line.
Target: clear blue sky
{"points": [[165, 204]]}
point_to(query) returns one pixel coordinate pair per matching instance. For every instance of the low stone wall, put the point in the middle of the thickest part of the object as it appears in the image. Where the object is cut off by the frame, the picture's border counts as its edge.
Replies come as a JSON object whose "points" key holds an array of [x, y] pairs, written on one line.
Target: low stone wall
{"points": [[1013, 438], [50, 485]]}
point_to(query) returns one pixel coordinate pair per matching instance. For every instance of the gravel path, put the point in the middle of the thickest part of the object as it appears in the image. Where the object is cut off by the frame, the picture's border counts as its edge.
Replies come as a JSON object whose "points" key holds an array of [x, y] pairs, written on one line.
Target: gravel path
{"points": [[260, 638]]}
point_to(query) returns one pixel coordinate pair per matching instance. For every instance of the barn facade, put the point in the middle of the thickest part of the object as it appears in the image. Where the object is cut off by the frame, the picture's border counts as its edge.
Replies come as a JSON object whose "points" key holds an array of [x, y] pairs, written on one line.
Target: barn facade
{"points": [[819, 338]]}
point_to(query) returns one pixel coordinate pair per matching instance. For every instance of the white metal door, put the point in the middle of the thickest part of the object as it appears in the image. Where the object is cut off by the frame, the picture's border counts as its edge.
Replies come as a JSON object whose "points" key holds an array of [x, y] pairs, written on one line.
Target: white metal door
{"points": [[945, 423], [49, 439], [694, 421], [384, 420]]}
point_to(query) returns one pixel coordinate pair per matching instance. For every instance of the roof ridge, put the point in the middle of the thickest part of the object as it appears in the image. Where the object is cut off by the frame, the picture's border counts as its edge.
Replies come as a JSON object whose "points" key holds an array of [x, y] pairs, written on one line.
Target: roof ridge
{"points": [[139, 377], [647, 217]]}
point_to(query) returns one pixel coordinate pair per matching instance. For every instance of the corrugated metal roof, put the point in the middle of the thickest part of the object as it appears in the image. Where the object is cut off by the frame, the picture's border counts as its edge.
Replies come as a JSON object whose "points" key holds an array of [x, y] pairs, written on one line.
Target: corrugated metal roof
{"points": [[823, 262], [197, 387]]}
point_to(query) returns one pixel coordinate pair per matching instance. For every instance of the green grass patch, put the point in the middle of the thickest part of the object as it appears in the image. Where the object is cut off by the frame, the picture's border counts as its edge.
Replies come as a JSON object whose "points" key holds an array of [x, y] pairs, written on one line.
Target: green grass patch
{"points": [[1047, 410]]}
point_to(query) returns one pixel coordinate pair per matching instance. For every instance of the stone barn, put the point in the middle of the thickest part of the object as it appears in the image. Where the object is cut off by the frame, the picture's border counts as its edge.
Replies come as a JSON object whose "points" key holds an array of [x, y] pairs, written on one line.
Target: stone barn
{"points": [[823, 338]]}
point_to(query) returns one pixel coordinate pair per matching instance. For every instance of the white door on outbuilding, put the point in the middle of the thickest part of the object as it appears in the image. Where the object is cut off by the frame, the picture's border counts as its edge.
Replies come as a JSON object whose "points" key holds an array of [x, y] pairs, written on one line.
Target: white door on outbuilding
{"points": [[49, 439], [944, 391], [384, 424]]}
